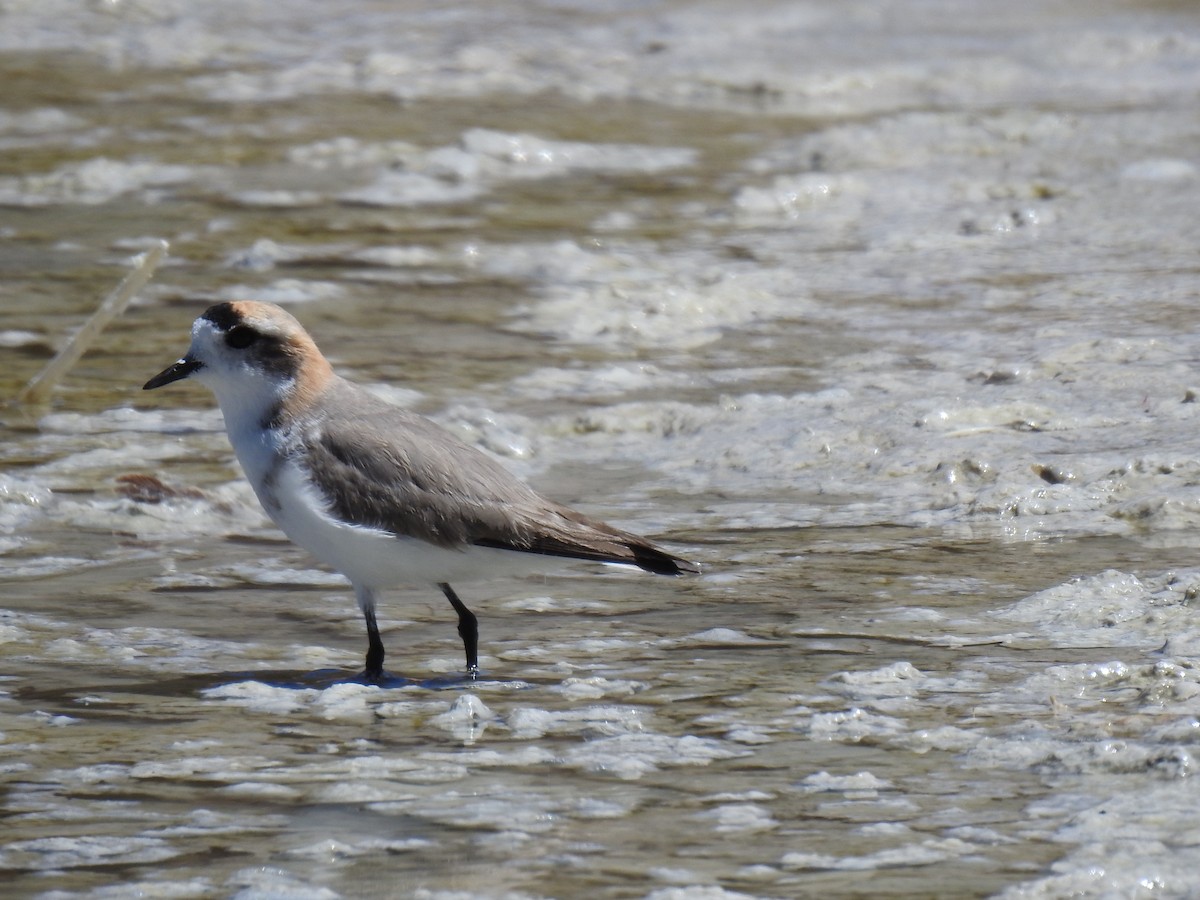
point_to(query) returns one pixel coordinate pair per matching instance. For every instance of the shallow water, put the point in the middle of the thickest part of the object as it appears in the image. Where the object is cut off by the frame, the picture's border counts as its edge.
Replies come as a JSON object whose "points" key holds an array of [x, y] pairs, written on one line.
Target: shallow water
{"points": [[881, 311]]}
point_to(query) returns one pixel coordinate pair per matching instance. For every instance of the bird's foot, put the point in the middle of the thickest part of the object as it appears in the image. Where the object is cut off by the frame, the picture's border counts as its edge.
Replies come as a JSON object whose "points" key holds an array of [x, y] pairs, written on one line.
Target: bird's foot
{"points": [[376, 677]]}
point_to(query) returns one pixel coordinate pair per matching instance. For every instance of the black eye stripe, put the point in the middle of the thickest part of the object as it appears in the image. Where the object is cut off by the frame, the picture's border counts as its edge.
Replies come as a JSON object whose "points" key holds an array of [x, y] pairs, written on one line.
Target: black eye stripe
{"points": [[239, 337], [222, 315]]}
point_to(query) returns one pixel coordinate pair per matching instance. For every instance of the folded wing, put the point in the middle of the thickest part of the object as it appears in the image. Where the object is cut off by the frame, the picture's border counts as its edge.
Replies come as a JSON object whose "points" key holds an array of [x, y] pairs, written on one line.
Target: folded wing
{"points": [[399, 472]]}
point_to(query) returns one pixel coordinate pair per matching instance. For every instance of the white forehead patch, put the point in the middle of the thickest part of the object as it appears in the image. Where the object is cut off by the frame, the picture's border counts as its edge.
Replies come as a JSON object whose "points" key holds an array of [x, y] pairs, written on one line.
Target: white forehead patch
{"points": [[203, 326]]}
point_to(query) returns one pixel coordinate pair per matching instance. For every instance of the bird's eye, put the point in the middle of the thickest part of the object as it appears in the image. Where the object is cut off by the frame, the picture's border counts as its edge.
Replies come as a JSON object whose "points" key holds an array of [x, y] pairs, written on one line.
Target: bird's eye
{"points": [[240, 337]]}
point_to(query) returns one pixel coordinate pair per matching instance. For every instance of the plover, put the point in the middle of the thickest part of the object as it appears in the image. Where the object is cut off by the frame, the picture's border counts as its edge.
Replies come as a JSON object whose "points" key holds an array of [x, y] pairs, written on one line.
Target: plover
{"points": [[380, 494]]}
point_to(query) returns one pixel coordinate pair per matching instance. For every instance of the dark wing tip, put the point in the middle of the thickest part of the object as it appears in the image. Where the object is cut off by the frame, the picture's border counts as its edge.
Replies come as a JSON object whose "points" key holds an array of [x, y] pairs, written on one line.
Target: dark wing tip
{"points": [[660, 562], [631, 553]]}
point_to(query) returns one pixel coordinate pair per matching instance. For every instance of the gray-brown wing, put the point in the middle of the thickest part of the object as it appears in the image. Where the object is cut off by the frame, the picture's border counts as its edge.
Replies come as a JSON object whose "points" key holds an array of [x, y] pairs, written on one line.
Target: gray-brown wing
{"points": [[388, 468]]}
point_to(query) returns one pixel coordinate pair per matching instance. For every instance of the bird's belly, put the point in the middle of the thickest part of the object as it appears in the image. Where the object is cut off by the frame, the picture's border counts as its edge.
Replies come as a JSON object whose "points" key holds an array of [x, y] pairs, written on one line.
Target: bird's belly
{"points": [[376, 558]]}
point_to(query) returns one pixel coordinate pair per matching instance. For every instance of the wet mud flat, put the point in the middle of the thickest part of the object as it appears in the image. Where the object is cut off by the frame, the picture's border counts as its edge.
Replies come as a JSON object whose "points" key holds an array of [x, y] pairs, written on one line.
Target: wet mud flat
{"points": [[888, 320]]}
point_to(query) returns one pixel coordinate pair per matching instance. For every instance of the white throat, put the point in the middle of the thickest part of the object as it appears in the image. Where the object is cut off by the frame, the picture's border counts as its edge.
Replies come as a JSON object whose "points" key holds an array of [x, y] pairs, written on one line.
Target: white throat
{"points": [[247, 400]]}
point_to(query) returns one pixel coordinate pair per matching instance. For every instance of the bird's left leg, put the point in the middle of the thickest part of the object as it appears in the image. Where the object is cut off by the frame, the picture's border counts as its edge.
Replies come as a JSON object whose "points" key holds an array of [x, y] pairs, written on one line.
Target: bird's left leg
{"points": [[468, 629], [373, 673]]}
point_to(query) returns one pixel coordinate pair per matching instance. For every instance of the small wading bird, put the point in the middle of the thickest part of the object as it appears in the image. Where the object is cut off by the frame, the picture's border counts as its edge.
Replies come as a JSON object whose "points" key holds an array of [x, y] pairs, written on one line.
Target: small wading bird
{"points": [[378, 493]]}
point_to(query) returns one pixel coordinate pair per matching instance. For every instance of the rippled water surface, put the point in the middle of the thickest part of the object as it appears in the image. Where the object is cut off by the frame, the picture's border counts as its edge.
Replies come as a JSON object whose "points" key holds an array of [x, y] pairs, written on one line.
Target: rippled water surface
{"points": [[882, 311]]}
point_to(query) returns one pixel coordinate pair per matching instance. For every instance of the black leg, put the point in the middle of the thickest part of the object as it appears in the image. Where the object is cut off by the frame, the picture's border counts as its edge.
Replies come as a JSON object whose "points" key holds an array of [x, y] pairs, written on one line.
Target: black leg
{"points": [[374, 669], [373, 672], [468, 629]]}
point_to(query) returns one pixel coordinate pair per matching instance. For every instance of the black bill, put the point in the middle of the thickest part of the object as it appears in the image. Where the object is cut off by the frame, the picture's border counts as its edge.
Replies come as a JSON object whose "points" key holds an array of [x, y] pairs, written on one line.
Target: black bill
{"points": [[174, 372]]}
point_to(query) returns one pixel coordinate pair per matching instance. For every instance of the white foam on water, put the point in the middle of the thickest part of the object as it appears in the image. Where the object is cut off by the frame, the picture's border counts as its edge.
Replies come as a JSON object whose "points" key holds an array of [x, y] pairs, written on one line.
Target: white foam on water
{"points": [[853, 725], [632, 756], [587, 721], [698, 892], [861, 785], [93, 182], [927, 852], [1143, 855], [261, 882], [596, 687], [481, 160], [284, 291], [185, 889], [739, 818], [88, 850], [525, 812]]}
